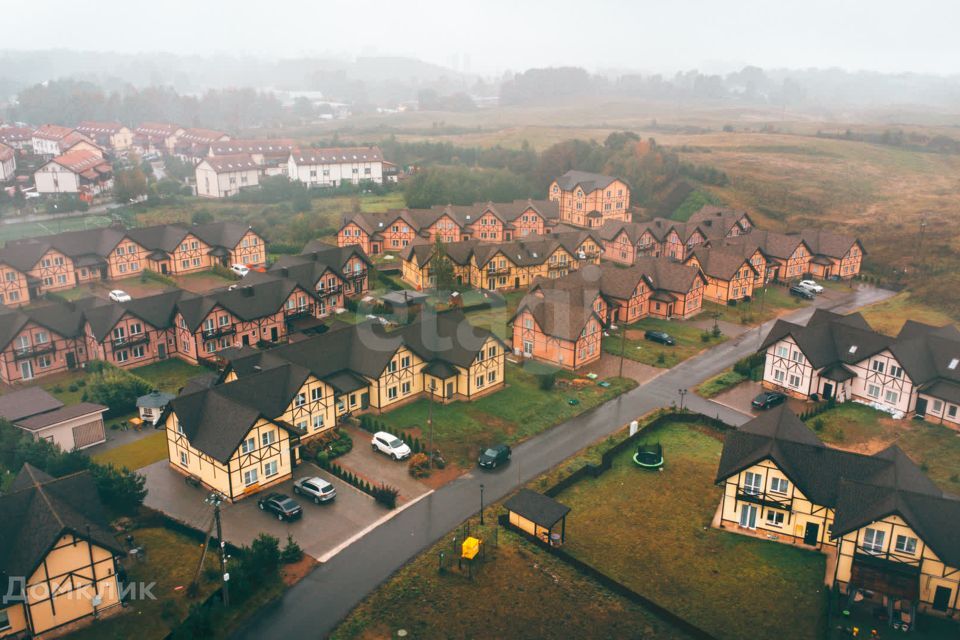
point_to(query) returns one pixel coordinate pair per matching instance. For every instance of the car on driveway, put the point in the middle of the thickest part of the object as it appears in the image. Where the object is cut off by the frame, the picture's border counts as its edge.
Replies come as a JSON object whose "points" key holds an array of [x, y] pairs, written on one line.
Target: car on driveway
{"points": [[802, 292], [492, 457], [811, 285], [317, 489], [281, 505], [768, 399], [119, 295], [240, 269], [660, 336], [390, 445]]}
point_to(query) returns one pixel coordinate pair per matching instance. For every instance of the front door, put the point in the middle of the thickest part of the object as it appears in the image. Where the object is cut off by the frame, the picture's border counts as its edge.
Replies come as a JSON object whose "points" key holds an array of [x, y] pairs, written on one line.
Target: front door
{"points": [[245, 339], [71, 360], [365, 400], [449, 390], [811, 534], [748, 516], [921, 406], [516, 283], [164, 269], [941, 598], [274, 335], [26, 370], [161, 351], [827, 390]]}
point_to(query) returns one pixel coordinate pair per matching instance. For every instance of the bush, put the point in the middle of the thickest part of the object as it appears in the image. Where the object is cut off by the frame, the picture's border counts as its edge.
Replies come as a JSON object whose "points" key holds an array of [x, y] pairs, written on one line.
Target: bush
{"points": [[117, 389], [72, 387], [385, 495], [291, 551], [57, 388], [120, 489], [716, 332], [419, 465], [705, 336], [661, 358], [81, 383], [818, 424], [546, 381]]}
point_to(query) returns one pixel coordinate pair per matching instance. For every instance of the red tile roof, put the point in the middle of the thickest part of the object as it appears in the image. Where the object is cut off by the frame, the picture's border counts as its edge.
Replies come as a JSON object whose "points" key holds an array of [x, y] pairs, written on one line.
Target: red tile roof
{"points": [[52, 132]]}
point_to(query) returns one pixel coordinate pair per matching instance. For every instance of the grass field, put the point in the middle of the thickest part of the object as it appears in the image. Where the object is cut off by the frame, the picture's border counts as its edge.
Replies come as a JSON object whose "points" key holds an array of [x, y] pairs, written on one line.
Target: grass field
{"points": [[496, 319], [17, 230], [652, 532], [170, 562], [889, 315], [519, 592], [689, 342], [137, 454], [513, 414], [766, 304], [859, 428]]}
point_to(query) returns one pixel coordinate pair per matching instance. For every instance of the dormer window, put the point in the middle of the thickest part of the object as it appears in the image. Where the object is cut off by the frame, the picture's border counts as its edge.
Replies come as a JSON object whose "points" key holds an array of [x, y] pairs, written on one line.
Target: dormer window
{"points": [[953, 364], [852, 349]]}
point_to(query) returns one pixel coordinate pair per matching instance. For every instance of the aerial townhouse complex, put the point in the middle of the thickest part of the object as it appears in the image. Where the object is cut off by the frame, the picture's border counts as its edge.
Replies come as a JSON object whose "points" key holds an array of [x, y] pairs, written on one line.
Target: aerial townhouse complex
{"points": [[31, 267], [890, 530], [262, 310], [243, 434], [916, 372], [502, 265], [395, 230], [589, 199]]}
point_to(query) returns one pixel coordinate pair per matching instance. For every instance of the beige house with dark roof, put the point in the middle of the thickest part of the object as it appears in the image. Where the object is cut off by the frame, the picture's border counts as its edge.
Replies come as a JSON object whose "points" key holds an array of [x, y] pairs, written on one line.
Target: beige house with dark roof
{"points": [[71, 428]]}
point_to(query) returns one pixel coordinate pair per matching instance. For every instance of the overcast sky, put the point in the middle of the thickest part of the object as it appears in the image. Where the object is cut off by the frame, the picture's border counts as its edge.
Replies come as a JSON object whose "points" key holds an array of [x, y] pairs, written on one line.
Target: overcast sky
{"points": [[489, 36]]}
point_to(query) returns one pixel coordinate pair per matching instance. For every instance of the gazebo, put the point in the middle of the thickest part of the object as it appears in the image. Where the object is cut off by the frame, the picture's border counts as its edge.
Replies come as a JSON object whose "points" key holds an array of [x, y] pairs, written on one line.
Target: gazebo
{"points": [[537, 515], [151, 406]]}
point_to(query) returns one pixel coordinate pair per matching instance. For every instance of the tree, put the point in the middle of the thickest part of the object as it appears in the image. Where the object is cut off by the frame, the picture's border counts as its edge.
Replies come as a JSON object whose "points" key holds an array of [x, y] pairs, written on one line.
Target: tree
{"points": [[201, 216], [129, 184], [116, 388], [441, 268]]}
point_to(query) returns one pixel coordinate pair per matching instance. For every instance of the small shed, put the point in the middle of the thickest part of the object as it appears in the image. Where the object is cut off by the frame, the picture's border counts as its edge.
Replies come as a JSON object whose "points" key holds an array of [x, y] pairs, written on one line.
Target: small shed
{"points": [[537, 514], [404, 300], [151, 406]]}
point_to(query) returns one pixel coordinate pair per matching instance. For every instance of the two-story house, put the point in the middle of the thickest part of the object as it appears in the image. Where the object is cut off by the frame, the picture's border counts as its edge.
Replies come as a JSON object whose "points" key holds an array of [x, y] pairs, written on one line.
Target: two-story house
{"points": [[590, 199], [334, 166], [730, 276], [225, 176], [108, 135]]}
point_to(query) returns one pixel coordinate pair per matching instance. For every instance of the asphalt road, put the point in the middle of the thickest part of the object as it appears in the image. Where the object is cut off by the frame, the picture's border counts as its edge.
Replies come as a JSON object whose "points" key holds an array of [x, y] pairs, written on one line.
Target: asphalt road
{"points": [[313, 607]]}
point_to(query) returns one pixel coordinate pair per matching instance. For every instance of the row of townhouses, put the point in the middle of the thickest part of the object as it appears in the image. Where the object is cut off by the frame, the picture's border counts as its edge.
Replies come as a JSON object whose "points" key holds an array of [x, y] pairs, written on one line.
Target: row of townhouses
{"points": [[292, 296], [243, 433], [916, 372], [32, 267], [890, 531]]}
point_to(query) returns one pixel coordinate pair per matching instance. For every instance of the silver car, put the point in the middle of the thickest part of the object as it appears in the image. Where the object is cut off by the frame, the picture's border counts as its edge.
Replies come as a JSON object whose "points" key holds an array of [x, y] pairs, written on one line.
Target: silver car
{"points": [[317, 489]]}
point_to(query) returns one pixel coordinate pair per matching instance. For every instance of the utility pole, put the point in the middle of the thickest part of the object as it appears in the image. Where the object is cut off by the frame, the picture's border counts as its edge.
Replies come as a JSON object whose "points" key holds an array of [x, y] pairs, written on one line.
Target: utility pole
{"points": [[481, 503], [682, 393], [216, 500], [433, 385], [623, 344]]}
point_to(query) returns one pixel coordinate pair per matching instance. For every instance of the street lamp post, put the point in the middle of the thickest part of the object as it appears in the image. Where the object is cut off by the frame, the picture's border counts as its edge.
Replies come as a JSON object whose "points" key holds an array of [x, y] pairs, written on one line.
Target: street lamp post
{"points": [[682, 393], [481, 503], [433, 385]]}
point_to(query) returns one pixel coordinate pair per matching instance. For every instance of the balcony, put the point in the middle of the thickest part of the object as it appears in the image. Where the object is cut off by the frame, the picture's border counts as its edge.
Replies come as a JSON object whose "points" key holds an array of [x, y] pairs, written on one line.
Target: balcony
{"points": [[356, 275], [557, 266], [216, 332], [130, 341], [328, 292], [777, 501], [497, 271], [22, 353], [298, 312]]}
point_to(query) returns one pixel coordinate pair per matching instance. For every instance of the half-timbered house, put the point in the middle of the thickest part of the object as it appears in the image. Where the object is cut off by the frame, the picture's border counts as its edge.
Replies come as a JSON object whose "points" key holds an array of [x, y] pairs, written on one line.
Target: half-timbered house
{"points": [[730, 276], [590, 199], [41, 341]]}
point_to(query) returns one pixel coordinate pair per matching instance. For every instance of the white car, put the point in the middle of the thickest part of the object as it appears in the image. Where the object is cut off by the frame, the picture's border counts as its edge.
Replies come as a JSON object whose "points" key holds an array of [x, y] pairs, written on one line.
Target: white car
{"points": [[391, 445], [119, 295], [811, 285], [317, 489], [240, 269]]}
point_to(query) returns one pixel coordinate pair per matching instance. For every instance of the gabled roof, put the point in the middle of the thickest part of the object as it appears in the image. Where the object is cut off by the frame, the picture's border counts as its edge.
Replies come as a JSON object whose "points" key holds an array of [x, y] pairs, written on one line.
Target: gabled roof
{"points": [[46, 419], [66, 320], [90, 127], [668, 275], [333, 255], [228, 164], [829, 338], [267, 147], [828, 243], [717, 222], [557, 313], [536, 507], [52, 132], [336, 155], [246, 302], [157, 311], [39, 509], [589, 182], [770, 243], [26, 402], [720, 262], [80, 161]]}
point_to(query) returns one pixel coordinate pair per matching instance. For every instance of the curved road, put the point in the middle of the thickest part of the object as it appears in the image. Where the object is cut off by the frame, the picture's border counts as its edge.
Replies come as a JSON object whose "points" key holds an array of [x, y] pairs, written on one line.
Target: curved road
{"points": [[314, 606]]}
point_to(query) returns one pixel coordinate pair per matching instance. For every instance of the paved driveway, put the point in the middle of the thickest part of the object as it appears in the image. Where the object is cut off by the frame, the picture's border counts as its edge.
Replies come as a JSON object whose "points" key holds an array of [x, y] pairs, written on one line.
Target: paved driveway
{"points": [[377, 468], [321, 530]]}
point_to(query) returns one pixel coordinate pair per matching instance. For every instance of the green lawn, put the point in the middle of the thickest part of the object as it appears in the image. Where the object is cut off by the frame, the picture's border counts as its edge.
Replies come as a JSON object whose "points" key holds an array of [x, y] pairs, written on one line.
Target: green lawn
{"points": [[519, 592], [495, 319], [18, 230], [719, 383], [169, 375], [513, 414], [171, 562], [889, 315], [137, 454], [652, 532], [765, 304], [860, 428], [688, 337]]}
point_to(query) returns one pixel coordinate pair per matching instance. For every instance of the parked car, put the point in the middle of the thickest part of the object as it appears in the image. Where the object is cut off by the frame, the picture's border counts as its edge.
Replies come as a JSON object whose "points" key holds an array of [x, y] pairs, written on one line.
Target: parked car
{"points": [[494, 456], [281, 505], [660, 336], [119, 295], [315, 488], [391, 445], [811, 285], [240, 269], [769, 399], [802, 292]]}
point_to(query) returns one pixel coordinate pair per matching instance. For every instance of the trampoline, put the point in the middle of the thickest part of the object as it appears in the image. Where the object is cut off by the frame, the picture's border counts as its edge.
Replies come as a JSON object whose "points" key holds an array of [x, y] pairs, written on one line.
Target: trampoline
{"points": [[649, 456]]}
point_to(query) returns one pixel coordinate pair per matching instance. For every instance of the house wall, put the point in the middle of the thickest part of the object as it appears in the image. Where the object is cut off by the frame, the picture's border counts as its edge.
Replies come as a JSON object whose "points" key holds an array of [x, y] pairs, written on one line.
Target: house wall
{"points": [[486, 228], [211, 184], [62, 588], [613, 203], [444, 228], [334, 174], [8, 168], [52, 178], [357, 277], [55, 272], [351, 234], [16, 618], [250, 251], [62, 434], [229, 479], [528, 223], [43, 351], [126, 260], [532, 342], [941, 411], [13, 287]]}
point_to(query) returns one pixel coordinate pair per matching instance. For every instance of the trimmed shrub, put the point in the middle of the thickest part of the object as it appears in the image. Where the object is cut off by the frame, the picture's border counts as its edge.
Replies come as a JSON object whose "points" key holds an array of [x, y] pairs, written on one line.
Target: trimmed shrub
{"points": [[419, 465], [385, 495], [291, 551], [546, 381]]}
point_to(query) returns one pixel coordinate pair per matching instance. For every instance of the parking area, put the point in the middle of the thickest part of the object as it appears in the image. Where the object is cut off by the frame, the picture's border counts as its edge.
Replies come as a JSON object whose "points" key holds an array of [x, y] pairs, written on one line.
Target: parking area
{"points": [[740, 396], [321, 530], [377, 468]]}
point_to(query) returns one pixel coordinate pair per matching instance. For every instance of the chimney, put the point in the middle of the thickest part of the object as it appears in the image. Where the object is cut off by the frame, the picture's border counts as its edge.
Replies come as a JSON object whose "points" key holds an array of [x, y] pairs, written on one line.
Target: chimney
{"points": [[247, 291]]}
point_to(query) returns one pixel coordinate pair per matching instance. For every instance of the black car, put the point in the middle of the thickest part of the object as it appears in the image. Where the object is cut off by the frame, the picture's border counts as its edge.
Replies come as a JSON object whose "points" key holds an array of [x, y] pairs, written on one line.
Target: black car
{"points": [[802, 292], [768, 399], [283, 506], [492, 457], [660, 336]]}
